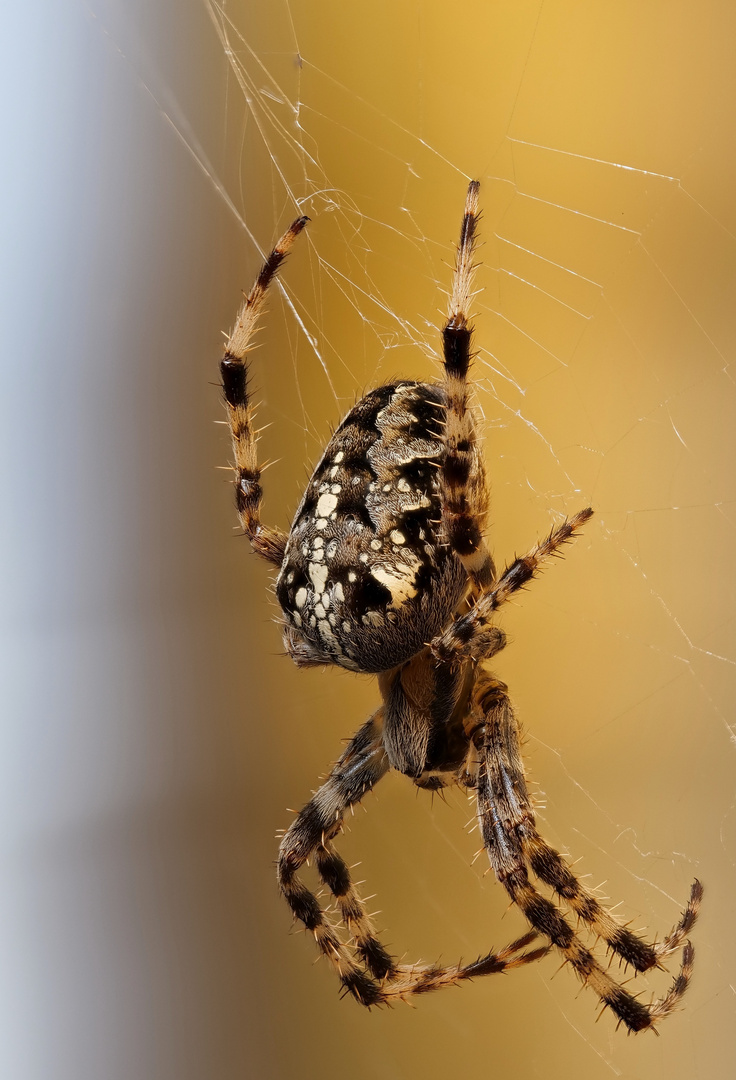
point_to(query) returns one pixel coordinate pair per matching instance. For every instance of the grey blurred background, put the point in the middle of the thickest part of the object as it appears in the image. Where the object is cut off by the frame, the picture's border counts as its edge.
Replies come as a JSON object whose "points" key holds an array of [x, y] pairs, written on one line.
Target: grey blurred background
{"points": [[152, 734]]}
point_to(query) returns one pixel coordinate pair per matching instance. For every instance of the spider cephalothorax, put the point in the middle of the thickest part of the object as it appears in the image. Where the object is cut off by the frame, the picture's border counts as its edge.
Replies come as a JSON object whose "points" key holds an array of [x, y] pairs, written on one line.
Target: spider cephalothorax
{"points": [[386, 570]]}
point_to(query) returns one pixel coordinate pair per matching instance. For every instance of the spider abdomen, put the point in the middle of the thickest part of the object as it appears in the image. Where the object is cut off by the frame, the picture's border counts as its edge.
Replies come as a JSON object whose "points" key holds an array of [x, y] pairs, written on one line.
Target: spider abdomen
{"points": [[367, 578]]}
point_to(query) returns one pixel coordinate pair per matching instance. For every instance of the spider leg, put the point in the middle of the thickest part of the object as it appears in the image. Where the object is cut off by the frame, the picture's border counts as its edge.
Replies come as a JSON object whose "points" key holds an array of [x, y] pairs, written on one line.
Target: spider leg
{"points": [[464, 493], [550, 867], [269, 543], [462, 477], [514, 846], [470, 636], [381, 981], [358, 770], [418, 979]]}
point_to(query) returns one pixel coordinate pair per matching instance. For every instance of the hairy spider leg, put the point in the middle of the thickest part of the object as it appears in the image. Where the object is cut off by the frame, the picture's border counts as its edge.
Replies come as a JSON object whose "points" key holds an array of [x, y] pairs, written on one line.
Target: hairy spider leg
{"points": [[361, 766], [267, 542], [381, 981], [551, 868], [471, 636], [463, 482], [513, 844]]}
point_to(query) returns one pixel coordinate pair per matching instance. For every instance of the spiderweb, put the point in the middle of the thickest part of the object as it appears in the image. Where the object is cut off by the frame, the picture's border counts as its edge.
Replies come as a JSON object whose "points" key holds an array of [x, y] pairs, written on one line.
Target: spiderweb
{"points": [[604, 336]]}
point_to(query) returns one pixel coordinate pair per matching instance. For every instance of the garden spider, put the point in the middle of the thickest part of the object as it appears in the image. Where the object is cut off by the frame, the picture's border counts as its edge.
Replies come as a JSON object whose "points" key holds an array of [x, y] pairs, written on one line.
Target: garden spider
{"points": [[386, 570]]}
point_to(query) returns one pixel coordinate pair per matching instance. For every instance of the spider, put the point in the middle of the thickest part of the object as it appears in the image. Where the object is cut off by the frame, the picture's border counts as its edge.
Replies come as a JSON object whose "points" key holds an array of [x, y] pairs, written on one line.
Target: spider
{"points": [[386, 570]]}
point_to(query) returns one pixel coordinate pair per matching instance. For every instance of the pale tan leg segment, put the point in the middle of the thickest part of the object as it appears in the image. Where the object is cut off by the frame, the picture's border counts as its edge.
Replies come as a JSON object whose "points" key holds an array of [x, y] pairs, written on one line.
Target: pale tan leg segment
{"points": [[269, 543]]}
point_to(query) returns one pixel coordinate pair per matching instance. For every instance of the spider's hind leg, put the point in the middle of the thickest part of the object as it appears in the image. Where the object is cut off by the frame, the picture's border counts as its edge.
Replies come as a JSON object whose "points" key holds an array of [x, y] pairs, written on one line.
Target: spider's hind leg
{"points": [[463, 481], [267, 542]]}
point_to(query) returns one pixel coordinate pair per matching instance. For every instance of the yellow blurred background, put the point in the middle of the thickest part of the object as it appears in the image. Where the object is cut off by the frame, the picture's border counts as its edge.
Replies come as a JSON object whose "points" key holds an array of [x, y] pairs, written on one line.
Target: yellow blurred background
{"points": [[155, 735]]}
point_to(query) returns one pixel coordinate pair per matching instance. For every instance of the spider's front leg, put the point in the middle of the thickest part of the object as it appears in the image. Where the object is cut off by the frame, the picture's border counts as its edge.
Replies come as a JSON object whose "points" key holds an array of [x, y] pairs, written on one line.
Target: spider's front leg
{"points": [[267, 542], [515, 848], [358, 770], [380, 981]]}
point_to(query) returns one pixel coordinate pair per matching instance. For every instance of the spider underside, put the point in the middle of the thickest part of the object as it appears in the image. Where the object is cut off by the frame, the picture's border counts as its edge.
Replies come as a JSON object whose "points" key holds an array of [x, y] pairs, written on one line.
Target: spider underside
{"points": [[386, 570]]}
